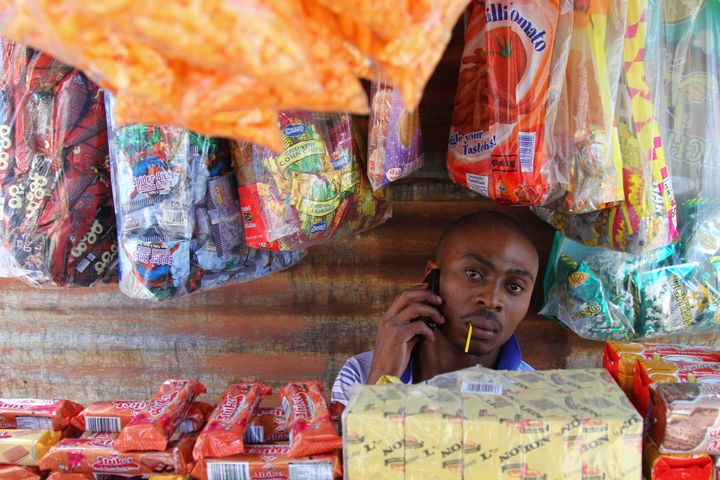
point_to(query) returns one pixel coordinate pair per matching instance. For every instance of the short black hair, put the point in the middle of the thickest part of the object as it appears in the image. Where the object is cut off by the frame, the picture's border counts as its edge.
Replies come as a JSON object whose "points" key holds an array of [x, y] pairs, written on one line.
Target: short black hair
{"points": [[487, 218]]}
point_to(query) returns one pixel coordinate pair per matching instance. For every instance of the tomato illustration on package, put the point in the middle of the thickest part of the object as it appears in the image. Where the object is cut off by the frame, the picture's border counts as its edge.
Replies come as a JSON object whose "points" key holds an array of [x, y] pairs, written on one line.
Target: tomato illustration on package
{"points": [[108, 416], [224, 433], [151, 428], [308, 419], [502, 106], [37, 414]]}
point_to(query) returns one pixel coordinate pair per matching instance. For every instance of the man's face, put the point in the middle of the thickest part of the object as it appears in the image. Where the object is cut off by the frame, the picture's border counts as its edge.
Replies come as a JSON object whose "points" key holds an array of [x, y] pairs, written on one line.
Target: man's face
{"points": [[487, 277]]}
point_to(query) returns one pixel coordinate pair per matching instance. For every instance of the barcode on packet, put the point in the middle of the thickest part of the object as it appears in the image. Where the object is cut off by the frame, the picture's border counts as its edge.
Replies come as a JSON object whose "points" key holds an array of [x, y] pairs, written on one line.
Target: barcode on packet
{"points": [[526, 151], [255, 434], [482, 388], [85, 262], [34, 423], [102, 424], [228, 471], [310, 471]]}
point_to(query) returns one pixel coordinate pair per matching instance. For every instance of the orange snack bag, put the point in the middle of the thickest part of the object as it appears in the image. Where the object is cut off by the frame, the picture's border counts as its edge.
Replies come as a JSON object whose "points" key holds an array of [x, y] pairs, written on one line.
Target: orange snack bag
{"points": [[196, 418], [269, 461], [90, 476], [37, 414], [223, 435], [620, 358], [95, 453], [510, 79], [658, 466], [108, 416], [267, 426], [15, 472], [663, 371], [151, 428], [308, 419]]}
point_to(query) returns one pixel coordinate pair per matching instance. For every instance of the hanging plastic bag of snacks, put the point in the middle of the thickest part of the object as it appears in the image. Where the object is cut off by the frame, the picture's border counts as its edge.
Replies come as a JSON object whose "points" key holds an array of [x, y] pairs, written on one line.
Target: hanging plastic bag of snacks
{"points": [[606, 295], [313, 191], [178, 215], [512, 72], [646, 219], [57, 225], [395, 139]]}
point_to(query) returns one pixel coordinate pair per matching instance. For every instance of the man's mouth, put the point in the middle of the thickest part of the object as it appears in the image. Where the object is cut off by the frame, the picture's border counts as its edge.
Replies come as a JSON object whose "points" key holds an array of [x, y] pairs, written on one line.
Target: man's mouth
{"points": [[483, 329]]}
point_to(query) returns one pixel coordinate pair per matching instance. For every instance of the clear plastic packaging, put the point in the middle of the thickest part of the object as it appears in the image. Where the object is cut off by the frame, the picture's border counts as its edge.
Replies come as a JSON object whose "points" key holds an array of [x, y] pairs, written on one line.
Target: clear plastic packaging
{"points": [[178, 214], [312, 191], [57, 225]]}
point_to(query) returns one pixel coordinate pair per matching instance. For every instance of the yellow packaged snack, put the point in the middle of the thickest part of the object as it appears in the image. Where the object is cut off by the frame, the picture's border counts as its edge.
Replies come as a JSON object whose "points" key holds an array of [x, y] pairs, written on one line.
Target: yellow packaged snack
{"points": [[25, 447]]}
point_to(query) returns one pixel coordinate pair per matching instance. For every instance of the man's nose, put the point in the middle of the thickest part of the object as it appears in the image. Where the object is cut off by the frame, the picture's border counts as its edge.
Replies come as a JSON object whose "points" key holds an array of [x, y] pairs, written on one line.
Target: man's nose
{"points": [[490, 297]]}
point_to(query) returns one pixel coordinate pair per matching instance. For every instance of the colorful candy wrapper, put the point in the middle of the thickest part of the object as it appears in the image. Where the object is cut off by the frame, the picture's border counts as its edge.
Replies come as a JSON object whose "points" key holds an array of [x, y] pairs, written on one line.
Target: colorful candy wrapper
{"points": [[313, 191], [267, 426], [225, 430], [658, 466], [25, 447], [308, 419], [151, 428], [95, 454], [56, 214], [510, 80], [196, 418], [395, 138], [37, 414], [178, 214], [111, 476], [16, 472], [108, 416]]}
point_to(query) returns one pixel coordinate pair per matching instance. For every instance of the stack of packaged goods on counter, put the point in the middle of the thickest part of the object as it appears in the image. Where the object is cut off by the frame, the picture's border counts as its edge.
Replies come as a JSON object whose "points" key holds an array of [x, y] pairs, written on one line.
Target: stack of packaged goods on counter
{"points": [[394, 138], [481, 423], [659, 466], [312, 191], [243, 441], [57, 224], [270, 56], [149, 443], [28, 428], [178, 215]]}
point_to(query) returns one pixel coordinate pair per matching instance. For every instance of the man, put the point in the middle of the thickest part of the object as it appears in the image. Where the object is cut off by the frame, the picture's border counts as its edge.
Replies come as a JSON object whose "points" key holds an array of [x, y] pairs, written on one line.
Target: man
{"points": [[488, 268]]}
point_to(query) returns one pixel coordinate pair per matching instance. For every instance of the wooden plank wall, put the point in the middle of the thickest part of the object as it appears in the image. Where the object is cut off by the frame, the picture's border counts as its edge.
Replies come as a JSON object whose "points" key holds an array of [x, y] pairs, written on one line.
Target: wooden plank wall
{"points": [[97, 344]]}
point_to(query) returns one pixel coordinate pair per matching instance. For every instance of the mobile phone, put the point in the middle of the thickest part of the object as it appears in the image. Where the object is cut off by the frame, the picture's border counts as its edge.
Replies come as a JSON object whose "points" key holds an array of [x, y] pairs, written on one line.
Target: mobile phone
{"points": [[433, 281]]}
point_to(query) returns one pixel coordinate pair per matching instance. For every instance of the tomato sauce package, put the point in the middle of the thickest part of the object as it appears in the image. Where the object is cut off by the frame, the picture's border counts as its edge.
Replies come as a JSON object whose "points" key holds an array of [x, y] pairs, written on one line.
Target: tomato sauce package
{"points": [[308, 419], [510, 79], [225, 430], [37, 414], [313, 191], [16, 472], [151, 428], [95, 453], [395, 138], [269, 461], [108, 416], [57, 226], [267, 426]]}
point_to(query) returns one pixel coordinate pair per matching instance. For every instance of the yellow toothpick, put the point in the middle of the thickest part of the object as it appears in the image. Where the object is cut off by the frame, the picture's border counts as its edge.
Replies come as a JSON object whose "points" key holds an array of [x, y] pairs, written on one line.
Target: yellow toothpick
{"points": [[467, 344]]}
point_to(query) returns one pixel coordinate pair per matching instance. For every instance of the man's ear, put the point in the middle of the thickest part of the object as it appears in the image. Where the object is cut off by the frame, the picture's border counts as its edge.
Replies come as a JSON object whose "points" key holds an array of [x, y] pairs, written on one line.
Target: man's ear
{"points": [[431, 265]]}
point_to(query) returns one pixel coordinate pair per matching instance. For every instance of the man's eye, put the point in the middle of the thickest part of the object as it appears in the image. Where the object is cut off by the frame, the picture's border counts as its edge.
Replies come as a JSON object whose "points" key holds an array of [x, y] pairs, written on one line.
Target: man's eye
{"points": [[515, 287], [474, 274]]}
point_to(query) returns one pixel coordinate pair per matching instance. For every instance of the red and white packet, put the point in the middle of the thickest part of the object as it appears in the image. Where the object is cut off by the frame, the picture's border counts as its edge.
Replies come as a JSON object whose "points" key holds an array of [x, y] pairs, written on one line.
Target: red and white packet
{"points": [[37, 414], [308, 419], [108, 416], [224, 433], [151, 428]]}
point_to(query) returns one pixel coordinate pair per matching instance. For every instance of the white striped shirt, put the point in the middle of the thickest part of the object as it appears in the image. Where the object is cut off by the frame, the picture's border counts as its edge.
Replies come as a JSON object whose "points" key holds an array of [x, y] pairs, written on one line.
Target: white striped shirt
{"points": [[357, 369]]}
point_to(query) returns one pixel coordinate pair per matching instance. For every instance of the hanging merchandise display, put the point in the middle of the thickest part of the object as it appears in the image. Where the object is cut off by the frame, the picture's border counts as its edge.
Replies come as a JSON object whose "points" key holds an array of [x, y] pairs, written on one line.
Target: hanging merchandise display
{"points": [[57, 225], [585, 136], [606, 295], [646, 219], [230, 65], [314, 190], [512, 73], [178, 214], [395, 140]]}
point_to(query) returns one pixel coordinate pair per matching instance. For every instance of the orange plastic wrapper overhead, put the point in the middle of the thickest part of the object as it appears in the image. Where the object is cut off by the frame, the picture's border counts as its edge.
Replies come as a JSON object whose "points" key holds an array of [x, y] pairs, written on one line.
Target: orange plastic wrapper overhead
{"points": [[225, 67]]}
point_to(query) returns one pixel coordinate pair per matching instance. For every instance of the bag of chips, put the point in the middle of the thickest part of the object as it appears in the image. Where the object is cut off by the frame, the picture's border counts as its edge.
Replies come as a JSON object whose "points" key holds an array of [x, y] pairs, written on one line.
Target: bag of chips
{"points": [[178, 214], [57, 225], [314, 190]]}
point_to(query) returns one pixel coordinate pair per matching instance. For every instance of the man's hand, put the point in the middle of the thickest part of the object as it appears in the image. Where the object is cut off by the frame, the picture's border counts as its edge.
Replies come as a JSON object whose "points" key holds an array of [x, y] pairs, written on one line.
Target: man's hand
{"points": [[397, 334]]}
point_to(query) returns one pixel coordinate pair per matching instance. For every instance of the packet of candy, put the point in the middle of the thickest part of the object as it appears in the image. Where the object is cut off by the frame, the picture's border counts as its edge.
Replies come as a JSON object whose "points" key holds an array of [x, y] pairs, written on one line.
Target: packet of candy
{"points": [[273, 461], [37, 414], [108, 416], [196, 418], [225, 430], [95, 454], [395, 138], [111, 476], [267, 426], [311, 192], [308, 419], [151, 428], [26, 447], [16, 472], [511, 75]]}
